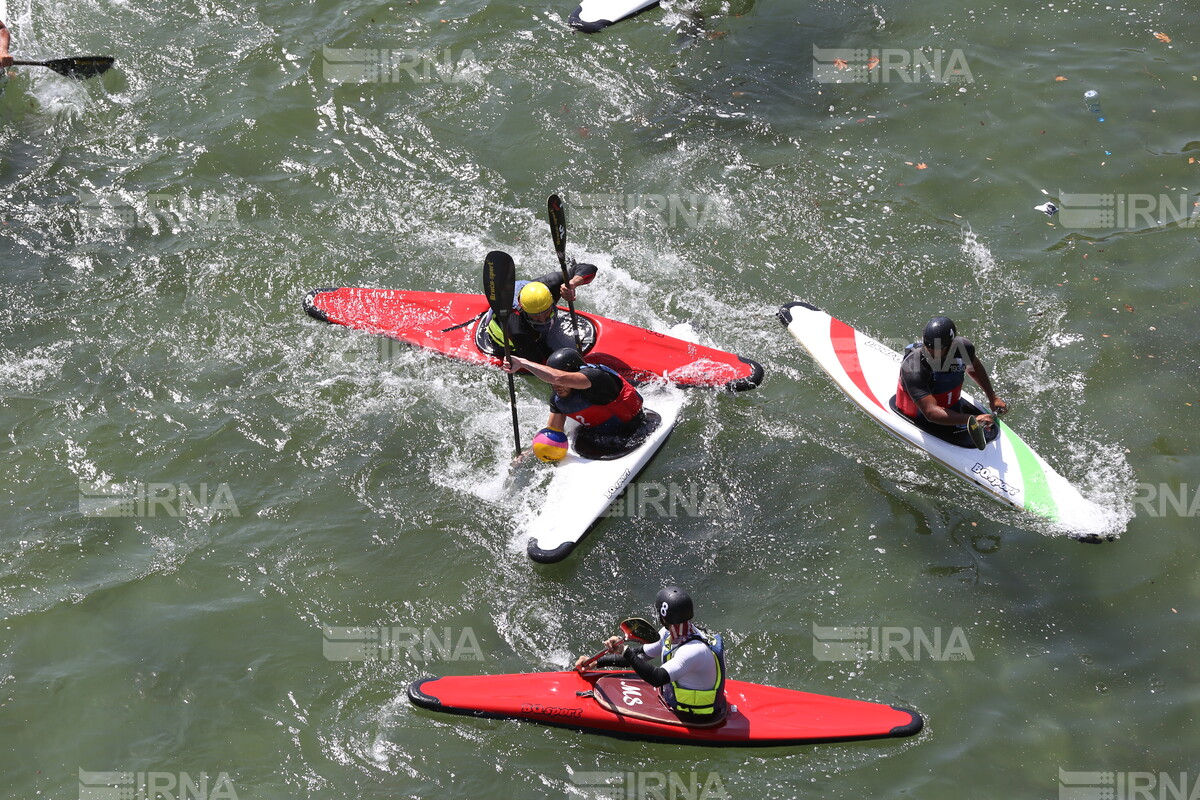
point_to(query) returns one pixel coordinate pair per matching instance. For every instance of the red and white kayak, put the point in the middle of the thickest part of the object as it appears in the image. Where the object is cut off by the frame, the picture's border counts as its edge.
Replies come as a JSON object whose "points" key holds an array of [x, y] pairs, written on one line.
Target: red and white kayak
{"points": [[618, 703], [1007, 469], [447, 323]]}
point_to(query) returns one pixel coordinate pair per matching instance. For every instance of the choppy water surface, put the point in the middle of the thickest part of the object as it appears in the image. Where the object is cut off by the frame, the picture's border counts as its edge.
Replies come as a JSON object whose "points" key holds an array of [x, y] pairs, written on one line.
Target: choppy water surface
{"points": [[163, 223]]}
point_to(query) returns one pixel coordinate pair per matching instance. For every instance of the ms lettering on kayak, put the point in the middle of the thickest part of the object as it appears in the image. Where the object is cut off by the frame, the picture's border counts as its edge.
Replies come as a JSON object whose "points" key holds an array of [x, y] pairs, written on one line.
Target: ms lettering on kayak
{"points": [[669, 500]]}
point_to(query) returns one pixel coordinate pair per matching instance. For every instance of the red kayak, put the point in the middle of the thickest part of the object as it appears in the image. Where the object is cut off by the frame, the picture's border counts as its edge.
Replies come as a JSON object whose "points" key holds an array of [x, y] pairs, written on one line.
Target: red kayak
{"points": [[618, 703], [448, 323]]}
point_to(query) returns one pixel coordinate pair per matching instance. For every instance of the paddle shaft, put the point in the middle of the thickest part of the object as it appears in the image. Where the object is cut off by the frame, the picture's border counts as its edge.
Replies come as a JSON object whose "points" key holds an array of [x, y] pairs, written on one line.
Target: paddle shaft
{"points": [[558, 232], [80, 67], [499, 282]]}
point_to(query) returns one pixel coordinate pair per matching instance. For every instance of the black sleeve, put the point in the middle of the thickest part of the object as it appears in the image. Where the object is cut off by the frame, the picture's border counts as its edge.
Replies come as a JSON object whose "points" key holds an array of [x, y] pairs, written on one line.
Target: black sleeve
{"points": [[655, 676], [582, 270], [605, 386], [554, 282]]}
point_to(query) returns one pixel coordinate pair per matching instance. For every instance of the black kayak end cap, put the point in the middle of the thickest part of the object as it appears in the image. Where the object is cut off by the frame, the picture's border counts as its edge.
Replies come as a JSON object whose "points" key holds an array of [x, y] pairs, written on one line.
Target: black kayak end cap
{"points": [[587, 27], [749, 382], [911, 728], [785, 312], [310, 306], [419, 698], [549, 556]]}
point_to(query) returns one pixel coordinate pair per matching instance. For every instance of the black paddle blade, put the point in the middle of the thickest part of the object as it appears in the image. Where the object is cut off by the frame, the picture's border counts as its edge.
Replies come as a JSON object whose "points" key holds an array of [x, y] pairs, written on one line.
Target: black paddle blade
{"points": [[499, 279], [81, 67], [639, 630], [558, 226], [976, 431]]}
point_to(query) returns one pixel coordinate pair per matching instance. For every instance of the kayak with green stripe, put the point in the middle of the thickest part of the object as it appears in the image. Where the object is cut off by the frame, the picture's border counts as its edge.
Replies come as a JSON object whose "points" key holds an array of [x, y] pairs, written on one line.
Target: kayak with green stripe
{"points": [[1006, 469]]}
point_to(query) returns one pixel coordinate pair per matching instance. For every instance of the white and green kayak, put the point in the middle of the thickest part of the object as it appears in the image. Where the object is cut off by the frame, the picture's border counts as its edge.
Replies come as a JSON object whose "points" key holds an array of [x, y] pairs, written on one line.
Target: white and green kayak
{"points": [[1006, 469]]}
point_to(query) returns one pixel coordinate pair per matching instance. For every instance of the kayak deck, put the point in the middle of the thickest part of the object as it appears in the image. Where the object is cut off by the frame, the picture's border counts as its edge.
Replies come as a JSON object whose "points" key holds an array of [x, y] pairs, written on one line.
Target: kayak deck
{"points": [[759, 716], [446, 322]]}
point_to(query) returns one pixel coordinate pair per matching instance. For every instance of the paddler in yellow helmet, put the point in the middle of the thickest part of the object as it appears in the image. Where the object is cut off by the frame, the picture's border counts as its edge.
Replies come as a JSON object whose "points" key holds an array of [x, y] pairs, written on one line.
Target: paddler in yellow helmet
{"points": [[537, 329]]}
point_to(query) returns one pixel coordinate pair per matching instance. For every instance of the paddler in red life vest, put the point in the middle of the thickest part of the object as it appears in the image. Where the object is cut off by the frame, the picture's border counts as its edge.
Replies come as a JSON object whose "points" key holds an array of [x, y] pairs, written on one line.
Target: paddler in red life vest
{"points": [[931, 379], [691, 679], [537, 329], [606, 405]]}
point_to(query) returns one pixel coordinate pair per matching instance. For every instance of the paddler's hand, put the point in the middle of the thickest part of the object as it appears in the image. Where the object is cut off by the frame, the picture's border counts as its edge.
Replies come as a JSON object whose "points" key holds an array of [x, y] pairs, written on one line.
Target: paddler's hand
{"points": [[615, 644], [999, 406], [568, 292], [986, 420], [513, 365]]}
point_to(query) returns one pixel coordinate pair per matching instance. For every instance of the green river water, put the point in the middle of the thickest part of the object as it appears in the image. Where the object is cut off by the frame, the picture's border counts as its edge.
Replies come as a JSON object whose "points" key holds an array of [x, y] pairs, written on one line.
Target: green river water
{"points": [[161, 225]]}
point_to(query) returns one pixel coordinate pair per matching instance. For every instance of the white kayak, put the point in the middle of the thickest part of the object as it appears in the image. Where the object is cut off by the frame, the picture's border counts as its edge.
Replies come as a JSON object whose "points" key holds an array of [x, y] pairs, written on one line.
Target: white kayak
{"points": [[595, 15], [1007, 469], [583, 488]]}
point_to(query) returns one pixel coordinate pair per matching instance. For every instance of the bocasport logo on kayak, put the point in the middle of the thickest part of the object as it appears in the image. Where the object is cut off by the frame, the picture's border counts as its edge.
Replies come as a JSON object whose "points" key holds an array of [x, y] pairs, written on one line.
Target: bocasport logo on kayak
{"points": [[890, 643], [889, 65], [412, 67], [668, 500], [155, 786], [161, 212], [400, 643], [1126, 211], [992, 478], [1127, 785], [643, 210], [550, 711], [155, 500], [647, 785]]}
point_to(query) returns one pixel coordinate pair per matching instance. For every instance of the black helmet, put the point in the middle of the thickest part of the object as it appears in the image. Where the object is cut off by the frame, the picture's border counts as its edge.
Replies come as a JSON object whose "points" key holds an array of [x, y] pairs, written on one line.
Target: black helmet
{"points": [[939, 333], [565, 359], [673, 606]]}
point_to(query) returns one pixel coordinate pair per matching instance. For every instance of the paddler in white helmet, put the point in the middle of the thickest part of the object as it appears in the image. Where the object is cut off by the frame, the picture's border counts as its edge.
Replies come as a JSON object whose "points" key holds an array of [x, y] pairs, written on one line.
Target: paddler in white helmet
{"points": [[691, 678], [537, 329], [607, 407]]}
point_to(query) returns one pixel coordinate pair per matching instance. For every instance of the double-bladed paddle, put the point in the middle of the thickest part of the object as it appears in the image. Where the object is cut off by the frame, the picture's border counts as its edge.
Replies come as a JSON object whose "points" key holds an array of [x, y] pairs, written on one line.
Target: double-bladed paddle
{"points": [[635, 628], [80, 67], [499, 285], [558, 232]]}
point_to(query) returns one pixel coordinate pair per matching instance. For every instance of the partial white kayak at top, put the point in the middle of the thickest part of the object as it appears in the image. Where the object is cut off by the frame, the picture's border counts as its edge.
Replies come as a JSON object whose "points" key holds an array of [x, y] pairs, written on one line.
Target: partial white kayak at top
{"points": [[595, 15]]}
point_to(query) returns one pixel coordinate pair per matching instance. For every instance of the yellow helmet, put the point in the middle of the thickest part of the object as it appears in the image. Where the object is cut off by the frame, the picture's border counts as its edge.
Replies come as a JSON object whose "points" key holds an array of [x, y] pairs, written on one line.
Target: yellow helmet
{"points": [[535, 298]]}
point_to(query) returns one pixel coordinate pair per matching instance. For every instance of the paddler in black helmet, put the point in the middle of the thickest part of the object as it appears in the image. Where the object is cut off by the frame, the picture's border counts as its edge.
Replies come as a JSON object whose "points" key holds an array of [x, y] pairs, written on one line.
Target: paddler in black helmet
{"points": [[607, 406], [691, 678], [931, 380], [537, 329]]}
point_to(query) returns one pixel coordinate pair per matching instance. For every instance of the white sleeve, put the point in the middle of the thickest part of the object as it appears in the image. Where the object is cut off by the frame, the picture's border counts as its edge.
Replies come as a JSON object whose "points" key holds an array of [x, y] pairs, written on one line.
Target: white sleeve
{"points": [[654, 649]]}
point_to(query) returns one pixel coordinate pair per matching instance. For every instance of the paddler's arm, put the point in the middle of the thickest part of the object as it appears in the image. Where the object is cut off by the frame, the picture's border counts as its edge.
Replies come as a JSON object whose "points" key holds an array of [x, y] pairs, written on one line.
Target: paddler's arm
{"points": [[647, 671], [579, 275], [555, 377], [944, 416], [6, 59], [980, 375]]}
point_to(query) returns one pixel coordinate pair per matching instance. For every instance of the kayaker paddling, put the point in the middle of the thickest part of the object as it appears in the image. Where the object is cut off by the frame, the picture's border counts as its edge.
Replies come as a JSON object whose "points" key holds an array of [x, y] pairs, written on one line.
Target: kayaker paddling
{"points": [[691, 678], [535, 328], [930, 385], [6, 59], [607, 407]]}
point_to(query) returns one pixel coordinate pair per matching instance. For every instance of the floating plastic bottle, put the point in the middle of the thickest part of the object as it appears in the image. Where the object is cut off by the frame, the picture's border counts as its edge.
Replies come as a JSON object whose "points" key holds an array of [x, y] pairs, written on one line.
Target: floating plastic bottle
{"points": [[1092, 98]]}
